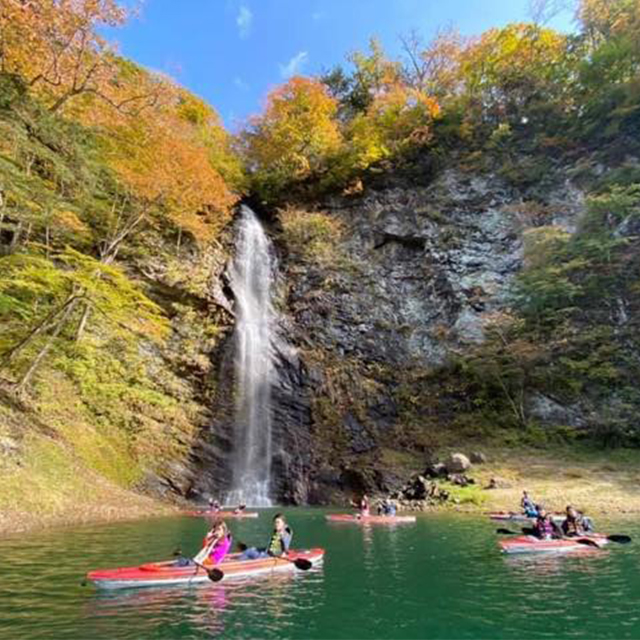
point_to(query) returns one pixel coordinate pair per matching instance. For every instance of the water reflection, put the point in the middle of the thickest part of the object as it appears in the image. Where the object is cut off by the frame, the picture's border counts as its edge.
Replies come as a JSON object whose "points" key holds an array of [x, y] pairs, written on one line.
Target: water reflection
{"points": [[443, 577]]}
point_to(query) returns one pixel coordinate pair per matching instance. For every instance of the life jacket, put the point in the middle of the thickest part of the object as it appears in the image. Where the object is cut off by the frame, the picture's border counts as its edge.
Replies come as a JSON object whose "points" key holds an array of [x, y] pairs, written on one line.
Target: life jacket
{"points": [[220, 549], [279, 542], [544, 528], [572, 526]]}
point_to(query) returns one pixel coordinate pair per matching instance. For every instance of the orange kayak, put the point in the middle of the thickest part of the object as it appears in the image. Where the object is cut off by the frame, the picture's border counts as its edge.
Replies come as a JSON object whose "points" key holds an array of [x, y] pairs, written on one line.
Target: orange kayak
{"points": [[154, 574]]}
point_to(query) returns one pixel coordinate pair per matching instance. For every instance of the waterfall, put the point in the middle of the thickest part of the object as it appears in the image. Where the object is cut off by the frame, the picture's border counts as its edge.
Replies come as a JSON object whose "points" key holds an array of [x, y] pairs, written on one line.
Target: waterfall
{"points": [[251, 279]]}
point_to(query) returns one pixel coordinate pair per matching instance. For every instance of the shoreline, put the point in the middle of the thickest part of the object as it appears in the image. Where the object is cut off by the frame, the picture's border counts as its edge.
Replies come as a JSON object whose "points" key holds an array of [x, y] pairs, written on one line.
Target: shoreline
{"points": [[599, 483]]}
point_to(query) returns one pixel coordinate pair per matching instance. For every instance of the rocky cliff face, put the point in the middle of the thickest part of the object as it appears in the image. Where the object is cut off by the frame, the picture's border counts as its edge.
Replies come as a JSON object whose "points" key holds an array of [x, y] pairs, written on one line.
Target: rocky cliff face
{"points": [[416, 274], [417, 271]]}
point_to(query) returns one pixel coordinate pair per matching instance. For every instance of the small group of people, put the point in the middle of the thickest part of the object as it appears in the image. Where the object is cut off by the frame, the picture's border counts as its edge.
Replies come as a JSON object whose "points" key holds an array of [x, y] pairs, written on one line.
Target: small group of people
{"points": [[574, 523], [384, 507], [215, 507], [218, 541]]}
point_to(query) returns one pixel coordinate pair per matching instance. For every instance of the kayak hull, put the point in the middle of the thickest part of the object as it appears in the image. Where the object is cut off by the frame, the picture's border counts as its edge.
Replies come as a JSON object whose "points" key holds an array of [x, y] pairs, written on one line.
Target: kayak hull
{"points": [[155, 574], [221, 514], [531, 544], [520, 517], [347, 517]]}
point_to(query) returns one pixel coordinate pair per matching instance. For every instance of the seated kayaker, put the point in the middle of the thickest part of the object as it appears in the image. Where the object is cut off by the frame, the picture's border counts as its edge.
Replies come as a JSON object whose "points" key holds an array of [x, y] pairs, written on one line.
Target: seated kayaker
{"points": [[214, 505], [388, 508], [545, 528], [240, 508], [363, 506], [216, 544], [278, 545], [530, 509], [572, 524], [575, 523]]}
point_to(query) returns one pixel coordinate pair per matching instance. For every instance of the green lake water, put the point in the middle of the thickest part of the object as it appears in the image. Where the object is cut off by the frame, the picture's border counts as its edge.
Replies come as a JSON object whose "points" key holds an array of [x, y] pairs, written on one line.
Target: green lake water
{"points": [[442, 577]]}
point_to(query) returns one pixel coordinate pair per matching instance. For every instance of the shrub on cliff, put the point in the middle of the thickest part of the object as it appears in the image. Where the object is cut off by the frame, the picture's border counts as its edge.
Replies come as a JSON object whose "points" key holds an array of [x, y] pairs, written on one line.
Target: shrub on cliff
{"points": [[313, 236]]}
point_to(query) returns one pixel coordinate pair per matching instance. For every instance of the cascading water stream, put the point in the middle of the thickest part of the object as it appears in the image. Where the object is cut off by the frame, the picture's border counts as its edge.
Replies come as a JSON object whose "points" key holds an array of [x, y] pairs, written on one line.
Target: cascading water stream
{"points": [[252, 275]]}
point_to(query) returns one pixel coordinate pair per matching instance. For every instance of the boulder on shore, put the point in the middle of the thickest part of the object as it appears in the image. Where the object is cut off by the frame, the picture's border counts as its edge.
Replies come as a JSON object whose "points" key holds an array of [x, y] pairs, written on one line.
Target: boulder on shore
{"points": [[457, 463], [477, 457]]}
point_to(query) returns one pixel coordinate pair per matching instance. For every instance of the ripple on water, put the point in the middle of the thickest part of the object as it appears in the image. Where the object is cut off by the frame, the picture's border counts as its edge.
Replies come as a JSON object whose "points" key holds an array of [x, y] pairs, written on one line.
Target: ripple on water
{"points": [[442, 578]]}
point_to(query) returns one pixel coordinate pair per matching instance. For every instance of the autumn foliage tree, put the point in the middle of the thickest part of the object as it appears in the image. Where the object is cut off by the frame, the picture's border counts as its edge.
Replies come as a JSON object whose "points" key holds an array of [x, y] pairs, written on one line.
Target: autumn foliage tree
{"points": [[295, 135], [120, 151], [510, 72], [55, 47]]}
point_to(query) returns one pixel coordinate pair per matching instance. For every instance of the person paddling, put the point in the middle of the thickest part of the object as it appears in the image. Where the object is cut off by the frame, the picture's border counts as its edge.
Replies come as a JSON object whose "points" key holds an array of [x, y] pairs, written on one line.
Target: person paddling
{"points": [[278, 544], [214, 505], [240, 508], [545, 528], [216, 544], [575, 524], [528, 507]]}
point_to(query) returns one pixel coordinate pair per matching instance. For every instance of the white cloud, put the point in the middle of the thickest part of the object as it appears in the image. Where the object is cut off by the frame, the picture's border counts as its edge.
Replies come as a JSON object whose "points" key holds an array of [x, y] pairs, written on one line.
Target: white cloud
{"points": [[244, 21], [294, 65], [240, 84]]}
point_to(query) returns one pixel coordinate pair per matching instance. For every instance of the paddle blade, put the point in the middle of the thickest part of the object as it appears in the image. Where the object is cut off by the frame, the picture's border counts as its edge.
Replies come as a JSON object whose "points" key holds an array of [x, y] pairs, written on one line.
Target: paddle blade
{"points": [[620, 539], [303, 564], [215, 575], [506, 532], [587, 542]]}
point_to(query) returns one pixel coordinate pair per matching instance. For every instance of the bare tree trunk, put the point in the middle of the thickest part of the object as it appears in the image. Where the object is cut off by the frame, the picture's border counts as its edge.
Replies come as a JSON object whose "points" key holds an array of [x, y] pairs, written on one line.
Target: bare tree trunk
{"points": [[28, 374], [83, 322], [16, 237], [47, 323]]}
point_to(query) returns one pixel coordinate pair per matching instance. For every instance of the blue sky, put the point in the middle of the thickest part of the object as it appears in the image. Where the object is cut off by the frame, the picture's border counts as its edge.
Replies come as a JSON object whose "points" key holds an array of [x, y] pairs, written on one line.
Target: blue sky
{"points": [[232, 52]]}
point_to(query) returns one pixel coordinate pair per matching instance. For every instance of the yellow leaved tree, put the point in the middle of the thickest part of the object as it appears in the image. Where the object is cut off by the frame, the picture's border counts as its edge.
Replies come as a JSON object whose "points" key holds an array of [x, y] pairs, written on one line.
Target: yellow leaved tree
{"points": [[295, 135]]}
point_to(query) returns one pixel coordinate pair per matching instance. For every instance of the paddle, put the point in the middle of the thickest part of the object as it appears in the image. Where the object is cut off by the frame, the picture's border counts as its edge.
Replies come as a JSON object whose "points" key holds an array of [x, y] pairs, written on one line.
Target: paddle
{"points": [[619, 538], [527, 531], [301, 563], [586, 541], [215, 575]]}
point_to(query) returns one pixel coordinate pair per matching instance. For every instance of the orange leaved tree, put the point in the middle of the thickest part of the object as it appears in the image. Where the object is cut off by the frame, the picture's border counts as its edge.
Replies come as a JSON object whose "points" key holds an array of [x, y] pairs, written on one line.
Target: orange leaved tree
{"points": [[54, 45]]}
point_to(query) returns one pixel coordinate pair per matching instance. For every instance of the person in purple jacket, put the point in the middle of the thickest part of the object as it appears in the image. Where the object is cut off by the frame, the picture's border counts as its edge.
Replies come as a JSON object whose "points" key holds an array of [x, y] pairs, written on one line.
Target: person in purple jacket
{"points": [[545, 528]]}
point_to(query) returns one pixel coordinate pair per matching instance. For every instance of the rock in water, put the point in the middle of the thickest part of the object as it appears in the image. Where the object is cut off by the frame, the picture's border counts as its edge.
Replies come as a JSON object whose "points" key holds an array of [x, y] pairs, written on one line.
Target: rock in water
{"points": [[457, 463]]}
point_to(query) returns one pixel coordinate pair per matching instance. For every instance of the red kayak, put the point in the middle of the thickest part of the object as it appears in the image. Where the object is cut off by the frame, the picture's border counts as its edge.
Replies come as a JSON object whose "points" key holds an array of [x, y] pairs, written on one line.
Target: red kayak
{"points": [[156, 574], [531, 544], [221, 514], [358, 519], [510, 516]]}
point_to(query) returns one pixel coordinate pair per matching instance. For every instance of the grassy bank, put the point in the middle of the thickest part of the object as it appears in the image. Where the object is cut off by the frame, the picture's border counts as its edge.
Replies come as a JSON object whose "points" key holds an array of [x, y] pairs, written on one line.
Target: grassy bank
{"points": [[598, 482], [58, 468]]}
